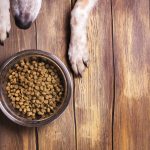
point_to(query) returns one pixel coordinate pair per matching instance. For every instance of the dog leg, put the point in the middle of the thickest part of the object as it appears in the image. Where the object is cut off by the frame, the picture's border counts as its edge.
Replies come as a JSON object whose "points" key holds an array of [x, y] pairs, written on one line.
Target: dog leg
{"points": [[78, 50], [4, 20]]}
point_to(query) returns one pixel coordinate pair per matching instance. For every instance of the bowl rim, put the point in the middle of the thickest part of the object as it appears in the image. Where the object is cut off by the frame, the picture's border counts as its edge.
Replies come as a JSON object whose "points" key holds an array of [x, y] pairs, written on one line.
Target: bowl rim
{"points": [[36, 123]]}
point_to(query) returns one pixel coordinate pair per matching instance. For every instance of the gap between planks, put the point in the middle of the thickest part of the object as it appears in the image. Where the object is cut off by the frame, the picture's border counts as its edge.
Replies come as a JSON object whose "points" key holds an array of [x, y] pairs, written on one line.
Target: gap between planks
{"points": [[114, 77], [74, 109]]}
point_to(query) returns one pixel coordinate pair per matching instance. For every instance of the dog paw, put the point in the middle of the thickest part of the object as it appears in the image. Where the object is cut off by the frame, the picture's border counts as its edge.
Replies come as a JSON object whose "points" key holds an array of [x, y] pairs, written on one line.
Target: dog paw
{"points": [[4, 20], [79, 57], [4, 32]]}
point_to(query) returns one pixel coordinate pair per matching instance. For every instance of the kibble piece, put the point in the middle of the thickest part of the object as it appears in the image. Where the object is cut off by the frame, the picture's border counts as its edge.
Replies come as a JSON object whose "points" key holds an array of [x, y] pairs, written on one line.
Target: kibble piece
{"points": [[34, 110], [20, 103], [37, 93], [29, 114], [7, 88], [41, 98], [28, 109], [40, 113], [35, 77], [48, 109], [18, 91], [37, 87], [37, 101], [41, 88], [44, 93], [17, 98], [51, 108], [20, 109], [47, 96], [46, 102], [46, 75], [49, 79]]}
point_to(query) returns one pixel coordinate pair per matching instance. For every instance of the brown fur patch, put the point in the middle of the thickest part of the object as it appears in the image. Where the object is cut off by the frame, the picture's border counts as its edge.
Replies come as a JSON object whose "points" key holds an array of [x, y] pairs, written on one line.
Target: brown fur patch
{"points": [[84, 3]]}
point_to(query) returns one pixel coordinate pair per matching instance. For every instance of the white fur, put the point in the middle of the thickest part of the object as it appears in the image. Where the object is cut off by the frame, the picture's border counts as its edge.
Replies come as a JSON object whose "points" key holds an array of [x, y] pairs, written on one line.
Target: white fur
{"points": [[5, 19], [23, 7], [78, 50]]}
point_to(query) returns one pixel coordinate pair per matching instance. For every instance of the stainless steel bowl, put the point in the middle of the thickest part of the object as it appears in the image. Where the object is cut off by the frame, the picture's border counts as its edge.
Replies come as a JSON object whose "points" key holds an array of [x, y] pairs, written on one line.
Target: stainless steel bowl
{"points": [[5, 105]]}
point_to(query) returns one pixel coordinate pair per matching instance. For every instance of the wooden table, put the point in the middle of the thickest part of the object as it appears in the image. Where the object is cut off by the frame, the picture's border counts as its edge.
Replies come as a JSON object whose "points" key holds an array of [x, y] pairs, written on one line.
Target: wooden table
{"points": [[110, 106]]}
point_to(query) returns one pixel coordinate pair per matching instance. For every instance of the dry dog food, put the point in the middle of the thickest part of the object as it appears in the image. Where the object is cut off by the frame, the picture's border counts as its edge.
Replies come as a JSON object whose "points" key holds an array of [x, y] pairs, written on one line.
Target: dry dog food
{"points": [[34, 88]]}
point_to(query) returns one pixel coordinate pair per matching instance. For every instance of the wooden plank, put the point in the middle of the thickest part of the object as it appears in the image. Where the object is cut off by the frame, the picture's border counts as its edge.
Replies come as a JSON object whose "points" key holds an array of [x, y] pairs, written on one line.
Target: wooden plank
{"points": [[12, 136], [94, 92], [132, 62], [52, 35]]}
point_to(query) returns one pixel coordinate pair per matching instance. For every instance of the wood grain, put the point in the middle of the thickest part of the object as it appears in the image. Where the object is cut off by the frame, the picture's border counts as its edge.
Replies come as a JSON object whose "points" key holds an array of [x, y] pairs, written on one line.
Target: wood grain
{"points": [[94, 91], [12, 136], [53, 35], [132, 69]]}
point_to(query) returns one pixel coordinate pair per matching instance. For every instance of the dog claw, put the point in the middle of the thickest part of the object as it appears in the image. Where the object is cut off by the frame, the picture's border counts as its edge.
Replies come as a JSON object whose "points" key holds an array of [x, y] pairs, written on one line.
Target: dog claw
{"points": [[86, 63], [7, 34], [80, 75], [1, 43]]}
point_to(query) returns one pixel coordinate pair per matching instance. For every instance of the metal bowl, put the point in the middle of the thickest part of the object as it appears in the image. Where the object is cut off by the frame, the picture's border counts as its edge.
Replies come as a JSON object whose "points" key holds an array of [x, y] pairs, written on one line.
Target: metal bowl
{"points": [[5, 105]]}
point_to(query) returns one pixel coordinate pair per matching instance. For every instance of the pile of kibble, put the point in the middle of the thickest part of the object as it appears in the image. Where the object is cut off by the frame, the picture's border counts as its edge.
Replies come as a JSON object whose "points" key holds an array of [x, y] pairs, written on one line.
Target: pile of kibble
{"points": [[34, 88]]}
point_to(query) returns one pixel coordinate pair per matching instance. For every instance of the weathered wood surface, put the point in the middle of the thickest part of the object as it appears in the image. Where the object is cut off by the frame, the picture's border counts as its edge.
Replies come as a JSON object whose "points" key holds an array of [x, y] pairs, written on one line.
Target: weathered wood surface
{"points": [[110, 104], [132, 74], [94, 92]]}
